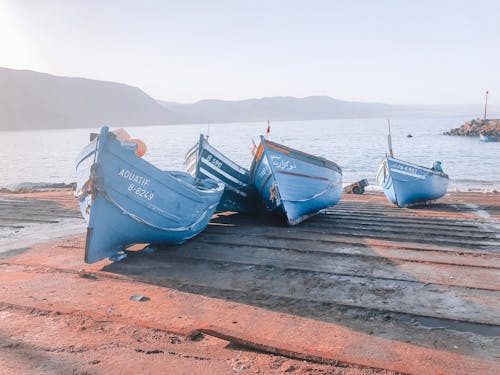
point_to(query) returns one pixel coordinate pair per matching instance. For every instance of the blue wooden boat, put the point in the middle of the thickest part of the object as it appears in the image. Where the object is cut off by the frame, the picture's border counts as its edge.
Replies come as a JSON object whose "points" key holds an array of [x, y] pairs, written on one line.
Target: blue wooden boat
{"points": [[293, 183], [127, 200], [205, 161], [406, 184], [489, 138]]}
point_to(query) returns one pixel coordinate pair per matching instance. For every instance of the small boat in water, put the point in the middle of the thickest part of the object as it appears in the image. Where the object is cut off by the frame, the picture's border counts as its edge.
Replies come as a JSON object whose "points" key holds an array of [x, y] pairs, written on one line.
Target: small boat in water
{"points": [[407, 184], [205, 161], [489, 138], [126, 200], [293, 183]]}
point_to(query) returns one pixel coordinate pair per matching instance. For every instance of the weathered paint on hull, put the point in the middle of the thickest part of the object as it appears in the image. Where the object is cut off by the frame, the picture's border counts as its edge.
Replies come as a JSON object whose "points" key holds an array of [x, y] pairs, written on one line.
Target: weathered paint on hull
{"points": [[205, 161], [406, 184], [296, 184], [132, 201]]}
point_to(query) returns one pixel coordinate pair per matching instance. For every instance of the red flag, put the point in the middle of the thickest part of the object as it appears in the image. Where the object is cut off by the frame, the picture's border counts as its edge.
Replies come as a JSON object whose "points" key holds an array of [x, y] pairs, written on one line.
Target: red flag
{"points": [[268, 131]]}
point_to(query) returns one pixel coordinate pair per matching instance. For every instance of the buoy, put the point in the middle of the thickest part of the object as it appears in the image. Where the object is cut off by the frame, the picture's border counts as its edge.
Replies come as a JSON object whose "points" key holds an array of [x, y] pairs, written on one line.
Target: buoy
{"points": [[121, 134], [141, 147]]}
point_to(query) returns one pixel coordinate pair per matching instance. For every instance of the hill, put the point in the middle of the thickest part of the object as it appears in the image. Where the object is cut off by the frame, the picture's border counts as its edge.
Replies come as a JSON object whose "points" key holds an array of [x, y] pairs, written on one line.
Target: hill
{"points": [[280, 108], [32, 100]]}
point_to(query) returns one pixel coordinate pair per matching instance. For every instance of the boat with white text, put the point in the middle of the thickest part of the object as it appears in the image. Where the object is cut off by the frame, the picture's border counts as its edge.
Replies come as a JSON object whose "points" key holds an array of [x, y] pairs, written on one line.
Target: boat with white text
{"points": [[204, 161], [293, 183], [126, 200], [406, 184]]}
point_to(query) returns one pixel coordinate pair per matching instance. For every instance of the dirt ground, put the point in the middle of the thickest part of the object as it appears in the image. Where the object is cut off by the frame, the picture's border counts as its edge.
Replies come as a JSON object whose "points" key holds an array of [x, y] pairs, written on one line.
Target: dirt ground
{"points": [[364, 289], [50, 342]]}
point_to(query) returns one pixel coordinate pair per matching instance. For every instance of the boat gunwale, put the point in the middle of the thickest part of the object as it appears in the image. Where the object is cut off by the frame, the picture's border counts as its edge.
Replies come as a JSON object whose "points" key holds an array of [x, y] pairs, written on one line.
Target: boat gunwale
{"points": [[429, 170], [179, 181], [307, 157], [390, 179], [84, 153], [202, 192]]}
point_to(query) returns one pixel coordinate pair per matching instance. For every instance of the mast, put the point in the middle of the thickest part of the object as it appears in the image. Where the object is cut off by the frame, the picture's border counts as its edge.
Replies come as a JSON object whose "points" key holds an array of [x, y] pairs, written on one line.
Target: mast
{"points": [[389, 140], [485, 103]]}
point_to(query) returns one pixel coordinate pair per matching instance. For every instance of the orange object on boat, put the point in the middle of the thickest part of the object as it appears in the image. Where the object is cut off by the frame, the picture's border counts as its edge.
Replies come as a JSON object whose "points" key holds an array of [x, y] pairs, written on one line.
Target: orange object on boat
{"points": [[121, 135], [141, 147]]}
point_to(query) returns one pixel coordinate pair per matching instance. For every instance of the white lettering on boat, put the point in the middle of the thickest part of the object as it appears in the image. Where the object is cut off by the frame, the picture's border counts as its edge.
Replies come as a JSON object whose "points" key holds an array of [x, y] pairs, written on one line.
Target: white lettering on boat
{"points": [[135, 178], [214, 161], [406, 168], [279, 163], [264, 168], [143, 193]]}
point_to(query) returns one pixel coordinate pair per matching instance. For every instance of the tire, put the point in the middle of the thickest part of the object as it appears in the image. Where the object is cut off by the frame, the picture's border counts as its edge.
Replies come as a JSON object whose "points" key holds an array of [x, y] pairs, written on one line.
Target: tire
{"points": [[357, 190]]}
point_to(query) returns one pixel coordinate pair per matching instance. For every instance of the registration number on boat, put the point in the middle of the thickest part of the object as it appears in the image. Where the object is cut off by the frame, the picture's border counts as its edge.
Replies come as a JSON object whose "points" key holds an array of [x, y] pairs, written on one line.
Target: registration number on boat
{"points": [[146, 194], [405, 168], [214, 161]]}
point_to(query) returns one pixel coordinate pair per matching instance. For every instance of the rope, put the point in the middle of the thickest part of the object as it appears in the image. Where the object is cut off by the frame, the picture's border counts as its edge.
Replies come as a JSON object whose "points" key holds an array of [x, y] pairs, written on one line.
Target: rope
{"points": [[379, 172]]}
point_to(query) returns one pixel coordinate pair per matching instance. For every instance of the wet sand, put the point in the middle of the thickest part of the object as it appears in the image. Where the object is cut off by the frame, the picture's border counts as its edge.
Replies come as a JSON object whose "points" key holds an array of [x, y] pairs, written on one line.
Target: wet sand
{"points": [[364, 289]]}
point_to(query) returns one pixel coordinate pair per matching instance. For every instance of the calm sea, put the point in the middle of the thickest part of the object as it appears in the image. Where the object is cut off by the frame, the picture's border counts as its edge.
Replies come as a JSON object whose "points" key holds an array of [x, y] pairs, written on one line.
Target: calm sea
{"points": [[357, 145]]}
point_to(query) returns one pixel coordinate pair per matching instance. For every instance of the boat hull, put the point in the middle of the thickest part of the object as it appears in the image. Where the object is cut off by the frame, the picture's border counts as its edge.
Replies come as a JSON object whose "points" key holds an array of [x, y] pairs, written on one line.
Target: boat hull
{"points": [[489, 138], [406, 184], [128, 200], [205, 161], [293, 183]]}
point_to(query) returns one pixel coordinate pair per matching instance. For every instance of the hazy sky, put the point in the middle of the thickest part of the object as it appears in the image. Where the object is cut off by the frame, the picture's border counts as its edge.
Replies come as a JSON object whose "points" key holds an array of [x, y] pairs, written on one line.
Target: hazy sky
{"points": [[401, 52]]}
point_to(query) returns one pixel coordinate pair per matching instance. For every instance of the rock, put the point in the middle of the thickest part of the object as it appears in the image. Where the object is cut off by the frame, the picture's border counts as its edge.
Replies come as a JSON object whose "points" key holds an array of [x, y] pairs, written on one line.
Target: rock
{"points": [[477, 126]]}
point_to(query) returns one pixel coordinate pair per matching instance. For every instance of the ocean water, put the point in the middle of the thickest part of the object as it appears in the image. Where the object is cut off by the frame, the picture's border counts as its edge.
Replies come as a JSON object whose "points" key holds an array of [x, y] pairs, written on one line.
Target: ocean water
{"points": [[357, 145]]}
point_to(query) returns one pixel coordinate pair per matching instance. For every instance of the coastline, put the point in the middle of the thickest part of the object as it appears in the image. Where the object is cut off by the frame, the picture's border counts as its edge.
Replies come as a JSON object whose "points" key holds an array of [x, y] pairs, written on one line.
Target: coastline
{"points": [[467, 161], [362, 288]]}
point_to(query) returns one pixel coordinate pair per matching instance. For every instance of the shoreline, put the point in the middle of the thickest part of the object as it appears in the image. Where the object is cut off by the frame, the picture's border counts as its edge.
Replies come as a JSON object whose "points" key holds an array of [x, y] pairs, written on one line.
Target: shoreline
{"points": [[32, 187], [364, 287]]}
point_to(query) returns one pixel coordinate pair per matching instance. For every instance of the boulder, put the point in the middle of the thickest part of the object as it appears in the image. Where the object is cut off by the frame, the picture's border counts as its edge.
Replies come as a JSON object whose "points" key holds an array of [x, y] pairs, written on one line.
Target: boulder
{"points": [[473, 128]]}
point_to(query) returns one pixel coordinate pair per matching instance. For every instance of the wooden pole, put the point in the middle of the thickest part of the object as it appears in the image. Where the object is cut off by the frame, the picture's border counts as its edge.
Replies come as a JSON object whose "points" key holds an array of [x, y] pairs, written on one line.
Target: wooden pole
{"points": [[389, 140], [485, 103]]}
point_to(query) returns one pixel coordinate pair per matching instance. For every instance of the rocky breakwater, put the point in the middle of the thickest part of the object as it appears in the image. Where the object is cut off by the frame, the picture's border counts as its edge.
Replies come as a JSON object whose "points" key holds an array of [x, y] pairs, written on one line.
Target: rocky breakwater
{"points": [[489, 127]]}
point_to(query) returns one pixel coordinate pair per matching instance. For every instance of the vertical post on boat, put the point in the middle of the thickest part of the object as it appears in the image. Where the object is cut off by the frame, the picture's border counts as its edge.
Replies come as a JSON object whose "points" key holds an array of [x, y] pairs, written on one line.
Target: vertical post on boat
{"points": [[389, 140], [485, 103]]}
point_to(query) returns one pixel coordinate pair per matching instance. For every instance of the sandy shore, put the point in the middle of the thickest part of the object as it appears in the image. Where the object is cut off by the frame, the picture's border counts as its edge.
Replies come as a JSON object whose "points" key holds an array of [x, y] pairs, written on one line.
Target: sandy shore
{"points": [[365, 289]]}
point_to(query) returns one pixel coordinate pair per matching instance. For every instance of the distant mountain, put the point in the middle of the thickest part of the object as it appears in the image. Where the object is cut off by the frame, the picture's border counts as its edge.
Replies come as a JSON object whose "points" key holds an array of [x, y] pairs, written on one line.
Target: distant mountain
{"points": [[280, 108], [32, 100], [168, 104], [312, 108]]}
